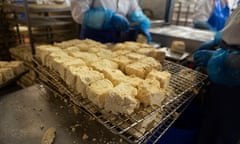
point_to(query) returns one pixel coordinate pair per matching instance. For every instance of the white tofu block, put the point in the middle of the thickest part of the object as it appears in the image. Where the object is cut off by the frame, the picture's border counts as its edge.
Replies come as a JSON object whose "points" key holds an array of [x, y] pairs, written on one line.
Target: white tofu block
{"points": [[105, 53], [98, 90], [121, 99], [102, 64], [121, 52], [85, 56], [50, 58], [150, 93], [71, 75], [158, 55], [64, 66], [162, 76], [134, 81], [135, 56], [151, 61], [85, 78], [43, 50], [57, 63], [145, 51], [122, 61], [115, 76], [138, 69]]}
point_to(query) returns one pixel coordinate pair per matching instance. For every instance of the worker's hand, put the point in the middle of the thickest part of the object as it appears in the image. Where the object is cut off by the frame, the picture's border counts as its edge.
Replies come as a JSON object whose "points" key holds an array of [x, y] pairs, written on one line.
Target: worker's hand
{"points": [[202, 57], [120, 23], [146, 33], [223, 67], [141, 23]]}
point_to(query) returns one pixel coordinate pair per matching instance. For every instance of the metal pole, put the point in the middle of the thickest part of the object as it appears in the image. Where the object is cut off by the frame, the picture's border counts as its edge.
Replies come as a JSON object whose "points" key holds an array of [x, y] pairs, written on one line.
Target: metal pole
{"points": [[169, 11], [29, 26]]}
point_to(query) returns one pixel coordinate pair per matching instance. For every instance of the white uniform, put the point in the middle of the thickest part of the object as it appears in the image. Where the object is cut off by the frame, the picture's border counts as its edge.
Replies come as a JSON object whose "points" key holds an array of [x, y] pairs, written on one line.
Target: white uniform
{"points": [[123, 7]]}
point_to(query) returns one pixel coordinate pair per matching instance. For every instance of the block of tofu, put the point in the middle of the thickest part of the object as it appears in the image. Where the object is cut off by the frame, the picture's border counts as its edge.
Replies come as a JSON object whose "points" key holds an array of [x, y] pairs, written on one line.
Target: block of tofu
{"points": [[162, 76], [122, 61], [153, 62], [105, 53], [17, 67], [71, 49], [121, 99], [158, 55], [121, 52], [64, 66], [115, 76], [97, 91], [56, 63], [68, 43], [146, 124], [43, 50], [86, 78], [3, 64], [49, 59], [93, 50], [92, 43], [102, 64], [132, 46], [138, 69], [83, 47], [135, 56], [134, 81], [150, 93], [7, 74], [85, 56], [71, 74], [145, 51]]}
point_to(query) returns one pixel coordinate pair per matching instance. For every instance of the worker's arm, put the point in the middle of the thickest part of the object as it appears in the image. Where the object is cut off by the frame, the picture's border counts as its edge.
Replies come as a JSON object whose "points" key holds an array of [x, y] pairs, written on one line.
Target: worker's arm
{"points": [[78, 8]]}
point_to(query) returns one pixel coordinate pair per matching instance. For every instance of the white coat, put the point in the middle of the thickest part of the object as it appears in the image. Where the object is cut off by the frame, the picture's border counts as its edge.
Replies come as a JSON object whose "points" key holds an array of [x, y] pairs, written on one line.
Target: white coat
{"points": [[123, 7]]}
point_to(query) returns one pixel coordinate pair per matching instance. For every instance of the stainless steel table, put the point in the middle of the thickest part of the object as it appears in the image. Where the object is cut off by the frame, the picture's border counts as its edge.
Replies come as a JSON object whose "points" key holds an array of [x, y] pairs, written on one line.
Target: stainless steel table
{"points": [[26, 114], [192, 37]]}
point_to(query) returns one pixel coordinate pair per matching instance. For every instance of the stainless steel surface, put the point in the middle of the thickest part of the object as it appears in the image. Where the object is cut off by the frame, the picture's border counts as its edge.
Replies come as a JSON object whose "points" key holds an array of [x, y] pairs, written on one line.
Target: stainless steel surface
{"points": [[125, 126], [173, 55], [192, 37], [26, 114]]}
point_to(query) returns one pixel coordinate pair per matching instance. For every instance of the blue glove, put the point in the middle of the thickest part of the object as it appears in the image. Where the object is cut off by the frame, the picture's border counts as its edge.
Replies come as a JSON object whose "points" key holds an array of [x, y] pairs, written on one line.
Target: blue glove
{"points": [[120, 23], [141, 23], [224, 68], [202, 57], [98, 18]]}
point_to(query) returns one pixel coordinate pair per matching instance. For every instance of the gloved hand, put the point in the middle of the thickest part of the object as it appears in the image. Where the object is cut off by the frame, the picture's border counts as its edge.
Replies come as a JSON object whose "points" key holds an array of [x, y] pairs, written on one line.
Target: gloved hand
{"points": [[143, 23], [223, 67], [98, 18], [120, 23], [146, 33], [202, 57]]}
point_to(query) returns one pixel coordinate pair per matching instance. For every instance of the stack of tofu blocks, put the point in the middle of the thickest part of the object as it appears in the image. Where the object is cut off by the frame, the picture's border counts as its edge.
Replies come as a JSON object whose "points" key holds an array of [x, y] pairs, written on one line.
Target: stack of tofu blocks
{"points": [[117, 77], [10, 69]]}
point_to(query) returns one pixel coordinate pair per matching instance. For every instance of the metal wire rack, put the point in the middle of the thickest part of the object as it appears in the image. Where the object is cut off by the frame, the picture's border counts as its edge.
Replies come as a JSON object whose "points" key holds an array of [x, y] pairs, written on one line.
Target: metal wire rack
{"points": [[184, 84]]}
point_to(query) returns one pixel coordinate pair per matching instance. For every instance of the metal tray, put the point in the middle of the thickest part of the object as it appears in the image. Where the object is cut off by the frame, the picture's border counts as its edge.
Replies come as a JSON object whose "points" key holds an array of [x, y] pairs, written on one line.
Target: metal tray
{"points": [[182, 88]]}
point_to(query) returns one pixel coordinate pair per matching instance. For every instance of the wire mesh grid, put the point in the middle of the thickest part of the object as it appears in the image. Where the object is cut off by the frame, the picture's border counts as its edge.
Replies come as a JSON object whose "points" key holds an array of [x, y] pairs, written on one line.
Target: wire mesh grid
{"points": [[183, 84]]}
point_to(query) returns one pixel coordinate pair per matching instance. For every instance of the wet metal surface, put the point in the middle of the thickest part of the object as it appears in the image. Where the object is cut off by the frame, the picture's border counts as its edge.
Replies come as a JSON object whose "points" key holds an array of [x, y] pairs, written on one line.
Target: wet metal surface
{"points": [[26, 114]]}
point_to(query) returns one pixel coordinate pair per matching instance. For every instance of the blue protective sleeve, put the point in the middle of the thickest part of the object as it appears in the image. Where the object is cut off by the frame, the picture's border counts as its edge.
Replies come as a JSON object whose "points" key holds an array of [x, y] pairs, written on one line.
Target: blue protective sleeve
{"points": [[224, 68], [202, 57], [98, 18]]}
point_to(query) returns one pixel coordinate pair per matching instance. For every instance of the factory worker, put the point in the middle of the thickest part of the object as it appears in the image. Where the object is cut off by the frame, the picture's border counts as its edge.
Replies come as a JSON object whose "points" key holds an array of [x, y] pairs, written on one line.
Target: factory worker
{"points": [[210, 14], [221, 116], [110, 20]]}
